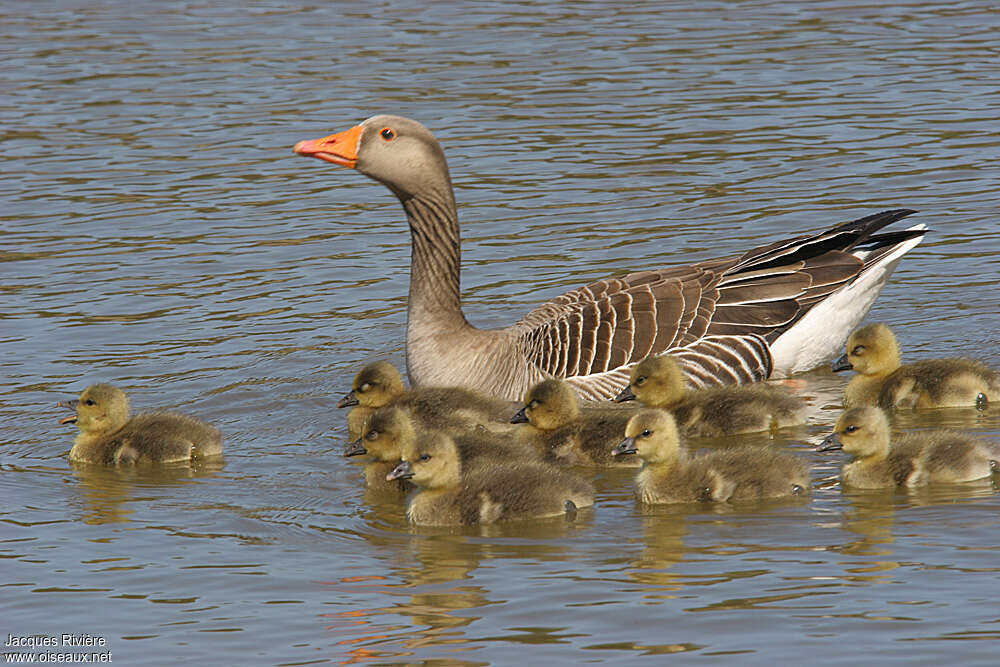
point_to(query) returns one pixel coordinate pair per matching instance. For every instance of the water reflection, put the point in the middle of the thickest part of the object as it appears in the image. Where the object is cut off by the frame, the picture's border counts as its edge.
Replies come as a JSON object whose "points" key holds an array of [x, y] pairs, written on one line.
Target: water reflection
{"points": [[106, 491]]}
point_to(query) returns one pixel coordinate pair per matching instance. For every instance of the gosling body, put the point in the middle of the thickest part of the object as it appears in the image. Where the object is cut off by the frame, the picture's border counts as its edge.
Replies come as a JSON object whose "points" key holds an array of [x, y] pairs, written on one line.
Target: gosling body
{"points": [[911, 460], [670, 475], [563, 433], [452, 409], [882, 380], [109, 436], [452, 493], [658, 382]]}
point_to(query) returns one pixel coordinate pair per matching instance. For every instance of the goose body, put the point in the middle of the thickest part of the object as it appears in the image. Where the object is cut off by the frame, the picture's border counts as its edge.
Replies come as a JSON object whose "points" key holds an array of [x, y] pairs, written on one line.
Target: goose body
{"points": [[669, 475], [913, 459], [563, 433], [380, 384], [109, 436], [658, 382], [389, 430], [882, 380], [455, 493], [738, 319]]}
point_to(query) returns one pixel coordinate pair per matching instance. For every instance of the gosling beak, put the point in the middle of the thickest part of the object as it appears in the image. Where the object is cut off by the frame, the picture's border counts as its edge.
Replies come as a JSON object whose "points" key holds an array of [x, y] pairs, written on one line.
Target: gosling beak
{"points": [[71, 405], [403, 471], [348, 400], [625, 395], [841, 364], [521, 417], [355, 448], [340, 148], [626, 446], [830, 443]]}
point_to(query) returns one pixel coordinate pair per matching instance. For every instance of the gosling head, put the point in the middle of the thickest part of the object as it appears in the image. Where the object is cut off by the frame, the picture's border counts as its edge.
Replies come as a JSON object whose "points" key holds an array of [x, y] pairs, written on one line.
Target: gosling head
{"points": [[101, 408], [871, 350], [375, 385], [431, 461], [861, 432], [652, 435], [548, 405], [384, 435], [656, 382]]}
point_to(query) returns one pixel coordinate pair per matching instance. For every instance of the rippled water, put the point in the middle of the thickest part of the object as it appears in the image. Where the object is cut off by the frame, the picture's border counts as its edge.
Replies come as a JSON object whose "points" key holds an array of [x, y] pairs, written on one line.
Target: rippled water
{"points": [[158, 233]]}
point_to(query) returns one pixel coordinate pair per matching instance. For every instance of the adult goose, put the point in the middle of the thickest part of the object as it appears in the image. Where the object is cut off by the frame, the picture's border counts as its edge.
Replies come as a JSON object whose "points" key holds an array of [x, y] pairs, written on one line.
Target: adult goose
{"points": [[777, 309]]}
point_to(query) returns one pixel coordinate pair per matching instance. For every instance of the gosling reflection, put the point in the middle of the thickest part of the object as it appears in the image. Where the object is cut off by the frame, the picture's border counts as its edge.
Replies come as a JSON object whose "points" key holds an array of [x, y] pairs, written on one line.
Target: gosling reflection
{"points": [[108, 492]]}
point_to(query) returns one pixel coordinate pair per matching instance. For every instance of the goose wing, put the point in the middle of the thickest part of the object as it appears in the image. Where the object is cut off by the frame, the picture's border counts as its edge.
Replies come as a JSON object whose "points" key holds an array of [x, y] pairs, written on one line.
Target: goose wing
{"points": [[716, 316]]}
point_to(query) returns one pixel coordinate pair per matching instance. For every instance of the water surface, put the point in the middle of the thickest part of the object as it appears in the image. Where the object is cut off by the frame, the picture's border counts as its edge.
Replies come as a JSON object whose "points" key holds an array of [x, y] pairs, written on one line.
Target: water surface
{"points": [[158, 233]]}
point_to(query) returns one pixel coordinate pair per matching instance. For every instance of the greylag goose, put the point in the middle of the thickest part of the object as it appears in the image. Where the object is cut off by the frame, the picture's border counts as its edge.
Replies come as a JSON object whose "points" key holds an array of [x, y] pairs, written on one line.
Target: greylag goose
{"points": [[562, 433], [658, 382], [447, 408], [452, 493], [777, 309], [913, 459], [669, 475], [108, 436], [388, 430], [873, 353]]}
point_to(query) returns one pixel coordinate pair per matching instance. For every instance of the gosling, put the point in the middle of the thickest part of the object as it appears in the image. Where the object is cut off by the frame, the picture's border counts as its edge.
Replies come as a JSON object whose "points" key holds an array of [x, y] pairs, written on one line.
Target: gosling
{"points": [[389, 430], [873, 352], [108, 436], [564, 434], [669, 475], [451, 493], [658, 382], [444, 408], [913, 459]]}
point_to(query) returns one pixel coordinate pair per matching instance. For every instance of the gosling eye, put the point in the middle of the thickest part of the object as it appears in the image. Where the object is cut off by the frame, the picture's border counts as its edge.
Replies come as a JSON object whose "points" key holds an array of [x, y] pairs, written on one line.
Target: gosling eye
{"points": [[534, 404], [387, 134], [646, 433], [858, 349], [639, 381], [424, 457], [851, 429], [372, 435], [90, 401], [365, 387]]}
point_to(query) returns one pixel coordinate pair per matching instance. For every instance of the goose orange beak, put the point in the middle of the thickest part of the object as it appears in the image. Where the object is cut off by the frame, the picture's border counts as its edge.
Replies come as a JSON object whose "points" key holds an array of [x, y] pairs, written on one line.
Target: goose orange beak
{"points": [[340, 148]]}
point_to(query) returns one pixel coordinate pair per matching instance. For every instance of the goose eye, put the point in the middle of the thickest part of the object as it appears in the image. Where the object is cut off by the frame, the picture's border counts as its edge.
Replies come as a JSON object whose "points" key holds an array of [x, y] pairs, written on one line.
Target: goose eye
{"points": [[424, 457], [387, 134], [372, 435], [639, 381]]}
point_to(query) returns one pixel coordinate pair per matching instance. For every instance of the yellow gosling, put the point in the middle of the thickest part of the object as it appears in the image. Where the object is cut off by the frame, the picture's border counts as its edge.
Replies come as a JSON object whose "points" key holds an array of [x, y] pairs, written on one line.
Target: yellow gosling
{"points": [[913, 459], [452, 493], [563, 433], [109, 436], [882, 380], [658, 382]]}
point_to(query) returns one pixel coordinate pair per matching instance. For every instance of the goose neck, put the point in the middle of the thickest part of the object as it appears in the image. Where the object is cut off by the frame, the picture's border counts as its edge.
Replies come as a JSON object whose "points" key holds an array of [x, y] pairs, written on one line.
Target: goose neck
{"points": [[435, 273]]}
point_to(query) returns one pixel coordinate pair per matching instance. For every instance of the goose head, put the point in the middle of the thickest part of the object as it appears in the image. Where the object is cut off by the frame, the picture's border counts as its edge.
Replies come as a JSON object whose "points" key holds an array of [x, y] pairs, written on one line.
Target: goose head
{"points": [[860, 432], [384, 435], [656, 381], [101, 408], [375, 385], [398, 152], [871, 350], [431, 461], [652, 435], [549, 405]]}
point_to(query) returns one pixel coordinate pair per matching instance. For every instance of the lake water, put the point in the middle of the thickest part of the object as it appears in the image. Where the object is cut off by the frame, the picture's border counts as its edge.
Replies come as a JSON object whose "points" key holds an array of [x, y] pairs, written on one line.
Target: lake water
{"points": [[158, 233]]}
